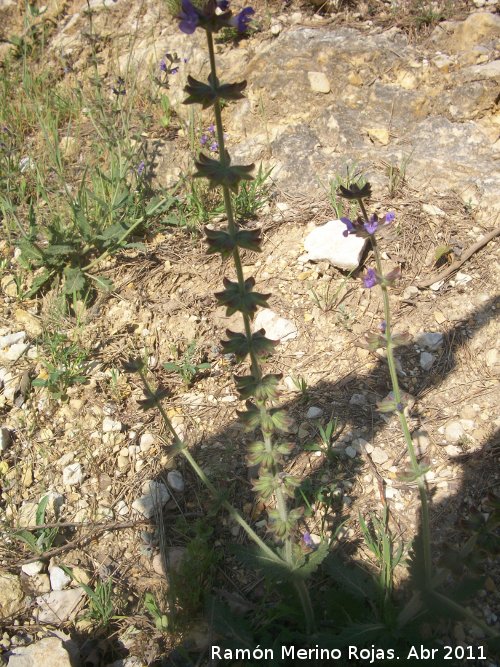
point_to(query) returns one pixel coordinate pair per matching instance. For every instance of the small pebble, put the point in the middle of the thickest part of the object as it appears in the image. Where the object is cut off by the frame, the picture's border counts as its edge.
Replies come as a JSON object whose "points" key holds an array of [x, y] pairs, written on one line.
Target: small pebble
{"points": [[175, 481], [351, 452], [314, 412], [73, 474], [426, 361], [454, 431], [110, 425]]}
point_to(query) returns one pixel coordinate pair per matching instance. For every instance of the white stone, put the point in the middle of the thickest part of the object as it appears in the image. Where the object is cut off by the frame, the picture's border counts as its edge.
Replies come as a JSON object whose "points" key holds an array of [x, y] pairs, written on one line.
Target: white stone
{"points": [[155, 496], [121, 508], [59, 580], [276, 327], [433, 210], [426, 361], [13, 352], [276, 28], [110, 425], [73, 474], [50, 651], [454, 431], [175, 481], [314, 412], [58, 606], [432, 341], [329, 243], [12, 339], [319, 82], [452, 450], [379, 456], [32, 569], [462, 279], [146, 442]]}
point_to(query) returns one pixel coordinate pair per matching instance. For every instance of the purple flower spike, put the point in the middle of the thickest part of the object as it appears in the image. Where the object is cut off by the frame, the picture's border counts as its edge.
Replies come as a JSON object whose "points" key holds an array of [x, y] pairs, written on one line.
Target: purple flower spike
{"points": [[242, 20], [350, 227], [370, 279], [188, 18]]}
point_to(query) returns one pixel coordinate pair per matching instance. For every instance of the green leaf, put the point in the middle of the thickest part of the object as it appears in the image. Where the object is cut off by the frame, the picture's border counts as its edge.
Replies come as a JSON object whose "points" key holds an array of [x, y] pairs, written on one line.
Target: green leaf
{"points": [[355, 192], [206, 94], [40, 510], [241, 298], [353, 578], [224, 243], [59, 250], [104, 284], [38, 282], [387, 405], [239, 345], [221, 173], [263, 388], [313, 560], [29, 538], [75, 280], [30, 252]]}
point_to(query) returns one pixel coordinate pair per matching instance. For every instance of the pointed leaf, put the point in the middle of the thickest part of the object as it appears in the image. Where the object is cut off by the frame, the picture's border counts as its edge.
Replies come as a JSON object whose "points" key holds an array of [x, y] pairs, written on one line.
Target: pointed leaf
{"points": [[263, 388], [219, 173], [241, 298], [355, 192], [75, 280], [239, 345]]}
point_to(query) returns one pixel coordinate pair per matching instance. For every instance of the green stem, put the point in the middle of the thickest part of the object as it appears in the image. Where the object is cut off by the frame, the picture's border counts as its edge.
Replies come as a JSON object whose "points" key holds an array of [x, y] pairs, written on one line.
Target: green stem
{"points": [[254, 362], [391, 362], [233, 512]]}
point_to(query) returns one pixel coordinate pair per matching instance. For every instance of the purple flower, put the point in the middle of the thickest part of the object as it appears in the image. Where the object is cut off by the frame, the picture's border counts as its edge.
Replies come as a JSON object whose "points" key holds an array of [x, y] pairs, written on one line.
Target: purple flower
{"points": [[242, 20], [308, 540], [389, 217], [188, 18], [350, 227], [163, 65], [211, 129], [214, 147], [140, 168], [174, 70], [382, 326], [371, 225], [370, 279], [203, 139]]}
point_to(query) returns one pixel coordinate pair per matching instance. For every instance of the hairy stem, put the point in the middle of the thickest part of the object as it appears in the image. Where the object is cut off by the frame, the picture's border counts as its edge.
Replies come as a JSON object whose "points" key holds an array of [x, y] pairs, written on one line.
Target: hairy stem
{"points": [[233, 512], [424, 505], [255, 365]]}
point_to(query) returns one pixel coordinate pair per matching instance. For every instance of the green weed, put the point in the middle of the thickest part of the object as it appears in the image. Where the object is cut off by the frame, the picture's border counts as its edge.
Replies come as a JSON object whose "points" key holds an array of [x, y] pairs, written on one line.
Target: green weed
{"points": [[64, 366], [186, 366], [39, 541]]}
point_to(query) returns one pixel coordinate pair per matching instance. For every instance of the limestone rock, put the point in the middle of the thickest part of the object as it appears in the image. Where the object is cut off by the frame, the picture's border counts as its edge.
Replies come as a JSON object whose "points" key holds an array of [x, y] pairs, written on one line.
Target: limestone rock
{"points": [[155, 495], [59, 580], [276, 327], [58, 606], [328, 243], [48, 651], [454, 431], [319, 82], [314, 412], [73, 474], [11, 594]]}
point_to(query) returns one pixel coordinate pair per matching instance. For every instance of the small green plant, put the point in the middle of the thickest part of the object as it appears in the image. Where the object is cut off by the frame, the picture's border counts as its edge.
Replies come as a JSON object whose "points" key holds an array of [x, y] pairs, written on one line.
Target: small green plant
{"points": [[39, 541], [186, 366], [353, 176], [151, 606], [301, 383], [326, 439], [396, 175], [166, 111], [64, 366], [252, 195], [380, 542]]}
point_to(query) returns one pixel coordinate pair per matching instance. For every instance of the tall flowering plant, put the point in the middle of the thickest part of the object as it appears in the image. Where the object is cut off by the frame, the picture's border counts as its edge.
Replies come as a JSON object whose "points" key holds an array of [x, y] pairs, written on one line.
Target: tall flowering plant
{"points": [[257, 389]]}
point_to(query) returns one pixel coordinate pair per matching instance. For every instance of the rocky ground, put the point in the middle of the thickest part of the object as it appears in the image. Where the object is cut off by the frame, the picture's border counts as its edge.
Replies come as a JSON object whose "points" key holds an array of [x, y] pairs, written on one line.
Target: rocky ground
{"points": [[409, 97]]}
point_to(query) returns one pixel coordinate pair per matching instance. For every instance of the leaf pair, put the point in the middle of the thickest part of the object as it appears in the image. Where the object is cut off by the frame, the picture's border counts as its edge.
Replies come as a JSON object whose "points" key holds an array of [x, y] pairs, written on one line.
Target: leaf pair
{"points": [[206, 94]]}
